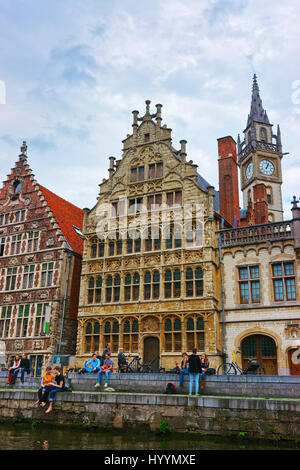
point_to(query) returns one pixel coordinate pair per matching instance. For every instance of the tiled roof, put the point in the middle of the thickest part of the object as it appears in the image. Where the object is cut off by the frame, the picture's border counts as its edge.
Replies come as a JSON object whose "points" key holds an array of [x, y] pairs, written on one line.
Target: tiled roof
{"points": [[66, 215]]}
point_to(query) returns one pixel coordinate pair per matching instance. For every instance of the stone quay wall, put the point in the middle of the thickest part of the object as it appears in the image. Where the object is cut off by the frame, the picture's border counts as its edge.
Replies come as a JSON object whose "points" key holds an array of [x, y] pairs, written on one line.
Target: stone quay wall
{"points": [[237, 417], [220, 385]]}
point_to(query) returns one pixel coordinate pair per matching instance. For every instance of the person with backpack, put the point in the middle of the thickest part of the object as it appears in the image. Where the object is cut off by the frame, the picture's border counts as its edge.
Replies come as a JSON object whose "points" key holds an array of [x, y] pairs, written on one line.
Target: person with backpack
{"points": [[195, 370]]}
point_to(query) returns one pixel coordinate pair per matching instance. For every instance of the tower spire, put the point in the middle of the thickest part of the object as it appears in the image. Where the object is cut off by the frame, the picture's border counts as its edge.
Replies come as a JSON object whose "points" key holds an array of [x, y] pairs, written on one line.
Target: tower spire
{"points": [[257, 112]]}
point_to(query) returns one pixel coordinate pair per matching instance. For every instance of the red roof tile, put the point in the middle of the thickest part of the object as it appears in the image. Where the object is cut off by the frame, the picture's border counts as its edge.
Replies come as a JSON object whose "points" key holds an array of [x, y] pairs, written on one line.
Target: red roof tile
{"points": [[66, 215]]}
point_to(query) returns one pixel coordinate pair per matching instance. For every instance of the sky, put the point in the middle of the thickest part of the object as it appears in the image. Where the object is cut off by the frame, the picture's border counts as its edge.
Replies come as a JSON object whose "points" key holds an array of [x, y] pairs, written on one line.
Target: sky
{"points": [[72, 72]]}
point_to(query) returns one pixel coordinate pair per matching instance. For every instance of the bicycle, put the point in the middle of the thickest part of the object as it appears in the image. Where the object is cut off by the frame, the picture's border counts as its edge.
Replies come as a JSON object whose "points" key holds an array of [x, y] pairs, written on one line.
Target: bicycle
{"points": [[134, 365], [232, 368]]}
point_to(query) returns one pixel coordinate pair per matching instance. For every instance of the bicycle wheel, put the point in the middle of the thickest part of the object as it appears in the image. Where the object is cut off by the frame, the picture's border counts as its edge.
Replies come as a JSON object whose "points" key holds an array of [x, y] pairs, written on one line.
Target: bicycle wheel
{"points": [[261, 371], [226, 369]]}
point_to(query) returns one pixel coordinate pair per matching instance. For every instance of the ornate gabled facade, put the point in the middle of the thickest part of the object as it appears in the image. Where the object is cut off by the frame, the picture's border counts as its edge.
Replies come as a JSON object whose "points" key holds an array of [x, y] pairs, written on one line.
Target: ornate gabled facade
{"points": [[40, 263], [150, 282], [260, 254]]}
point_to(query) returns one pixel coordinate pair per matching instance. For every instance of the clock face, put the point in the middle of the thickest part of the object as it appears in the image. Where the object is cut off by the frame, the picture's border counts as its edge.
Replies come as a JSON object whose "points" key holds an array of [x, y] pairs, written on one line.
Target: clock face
{"points": [[266, 167], [249, 170]]}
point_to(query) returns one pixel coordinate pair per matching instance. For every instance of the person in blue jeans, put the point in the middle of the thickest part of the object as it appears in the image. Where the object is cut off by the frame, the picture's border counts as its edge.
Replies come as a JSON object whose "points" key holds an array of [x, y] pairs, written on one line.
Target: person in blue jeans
{"points": [[93, 365], [204, 366], [106, 369], [184, 368], [59, 386], [195, 370], [24, 367]]}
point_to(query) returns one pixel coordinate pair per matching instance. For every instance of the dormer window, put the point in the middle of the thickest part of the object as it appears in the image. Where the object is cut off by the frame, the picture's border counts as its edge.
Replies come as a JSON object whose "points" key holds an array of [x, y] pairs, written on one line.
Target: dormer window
{"points": [[16, 188], [147, 137]]}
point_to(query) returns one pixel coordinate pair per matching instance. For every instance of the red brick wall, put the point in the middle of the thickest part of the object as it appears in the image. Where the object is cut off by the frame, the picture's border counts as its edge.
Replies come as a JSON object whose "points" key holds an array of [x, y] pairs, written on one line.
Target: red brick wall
{"points": [[228, 180]]}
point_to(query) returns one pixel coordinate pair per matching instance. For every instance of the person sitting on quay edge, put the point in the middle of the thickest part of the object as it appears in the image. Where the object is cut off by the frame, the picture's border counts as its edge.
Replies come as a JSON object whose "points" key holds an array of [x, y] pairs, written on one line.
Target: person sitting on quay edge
{"points": [[107, 350], [107, 368], [47, 379], [204, 365], [93, 365], [122, 361], [194, 371], [184, 368], [15, 365], [24, 367], [58, 386]]}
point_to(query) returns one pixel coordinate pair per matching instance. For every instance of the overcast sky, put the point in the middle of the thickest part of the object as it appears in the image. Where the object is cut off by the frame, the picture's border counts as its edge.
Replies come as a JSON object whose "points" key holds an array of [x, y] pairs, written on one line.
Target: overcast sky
{"points": [[74, 70]]}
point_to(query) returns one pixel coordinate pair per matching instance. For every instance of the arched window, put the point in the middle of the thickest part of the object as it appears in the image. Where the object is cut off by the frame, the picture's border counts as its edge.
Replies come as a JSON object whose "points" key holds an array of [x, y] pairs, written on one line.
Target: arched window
{"points": [[195, 333], [111, 334], [263, 134], [172, 283], [117, 283], [151, 285], [130, 335], [194, 282], [108, 289], [94, 290], [97, 248], [92, 337], [172, 334], [132, 286]]}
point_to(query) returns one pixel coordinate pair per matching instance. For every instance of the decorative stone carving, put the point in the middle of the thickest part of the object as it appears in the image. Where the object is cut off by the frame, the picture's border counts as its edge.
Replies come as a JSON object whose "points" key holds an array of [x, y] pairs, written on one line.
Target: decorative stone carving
{"points": [[38, 345], [8, 298], [19, 345], [13, 261], [150, 324], [34, 225], [152, 260], [27, 201], [25, 296], [48, 256], [172, 258], [44, 295], [30, 258], [132, 263], [50, 241], [96, 267]]}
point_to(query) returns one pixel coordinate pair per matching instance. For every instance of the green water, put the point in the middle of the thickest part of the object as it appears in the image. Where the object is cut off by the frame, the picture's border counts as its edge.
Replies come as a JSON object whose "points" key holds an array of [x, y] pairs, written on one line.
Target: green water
{"points": [[23, 437]]}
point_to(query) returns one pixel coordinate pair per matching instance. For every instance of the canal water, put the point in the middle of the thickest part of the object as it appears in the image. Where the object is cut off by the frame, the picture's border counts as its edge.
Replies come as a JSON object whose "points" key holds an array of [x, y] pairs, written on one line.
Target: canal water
{"points": [[24, 437]]}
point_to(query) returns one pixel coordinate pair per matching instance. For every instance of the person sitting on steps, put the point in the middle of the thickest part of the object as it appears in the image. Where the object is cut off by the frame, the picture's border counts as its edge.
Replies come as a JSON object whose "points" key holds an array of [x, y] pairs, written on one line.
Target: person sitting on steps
{"points": [[47, 379], [15, 365], [106, 369], [24, 367], [58, 386]]}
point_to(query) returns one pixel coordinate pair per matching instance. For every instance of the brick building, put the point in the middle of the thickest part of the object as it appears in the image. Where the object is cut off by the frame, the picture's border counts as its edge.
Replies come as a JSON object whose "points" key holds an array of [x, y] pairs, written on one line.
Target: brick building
{"points": [[155, 292], [40, 263], [260, 254]]}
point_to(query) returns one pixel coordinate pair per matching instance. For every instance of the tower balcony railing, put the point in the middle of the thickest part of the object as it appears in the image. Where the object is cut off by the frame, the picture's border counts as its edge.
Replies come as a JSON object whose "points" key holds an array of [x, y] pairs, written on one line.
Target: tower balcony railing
{"points": [[256, 233], [258, 145]]}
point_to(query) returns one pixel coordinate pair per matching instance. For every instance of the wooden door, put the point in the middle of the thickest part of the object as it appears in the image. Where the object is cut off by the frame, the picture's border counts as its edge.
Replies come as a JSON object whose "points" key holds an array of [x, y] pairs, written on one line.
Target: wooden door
{"points": [[151, 349], [294, 368], [263, 349]]}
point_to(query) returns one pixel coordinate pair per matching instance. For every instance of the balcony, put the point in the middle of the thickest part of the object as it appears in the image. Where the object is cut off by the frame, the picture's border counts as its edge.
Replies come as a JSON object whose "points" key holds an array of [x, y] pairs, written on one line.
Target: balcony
{"points": [[257, 145], [241, 236]]}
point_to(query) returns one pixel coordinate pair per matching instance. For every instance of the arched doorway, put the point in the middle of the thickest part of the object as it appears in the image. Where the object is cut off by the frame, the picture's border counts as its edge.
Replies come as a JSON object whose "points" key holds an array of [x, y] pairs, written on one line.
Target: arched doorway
{"points": [[151, 351], [294, 367], [263, 349]]}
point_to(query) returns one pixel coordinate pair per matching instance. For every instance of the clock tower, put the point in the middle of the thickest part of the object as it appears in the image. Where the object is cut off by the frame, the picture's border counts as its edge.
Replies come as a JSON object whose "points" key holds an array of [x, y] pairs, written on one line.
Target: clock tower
{"points": [[259, 158]]}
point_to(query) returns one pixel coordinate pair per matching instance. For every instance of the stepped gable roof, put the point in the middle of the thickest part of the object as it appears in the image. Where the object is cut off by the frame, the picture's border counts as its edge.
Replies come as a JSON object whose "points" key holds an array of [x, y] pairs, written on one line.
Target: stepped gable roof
{"points": [[66, 215]]}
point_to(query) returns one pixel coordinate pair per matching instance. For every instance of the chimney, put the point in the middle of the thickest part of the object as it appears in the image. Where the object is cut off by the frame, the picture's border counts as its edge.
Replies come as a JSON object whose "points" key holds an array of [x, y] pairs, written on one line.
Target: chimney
{"points": [[261, 212], [228, 180]]}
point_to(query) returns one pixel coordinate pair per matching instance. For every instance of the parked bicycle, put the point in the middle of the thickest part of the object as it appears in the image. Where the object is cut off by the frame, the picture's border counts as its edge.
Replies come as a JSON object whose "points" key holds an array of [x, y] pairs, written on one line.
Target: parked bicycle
{"points": [[232, 368]]}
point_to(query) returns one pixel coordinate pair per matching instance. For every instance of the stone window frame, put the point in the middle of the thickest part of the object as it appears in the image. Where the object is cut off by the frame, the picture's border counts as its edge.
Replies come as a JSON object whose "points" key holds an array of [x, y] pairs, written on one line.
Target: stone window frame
{"points": [[22, 321], [39, 318], [140, 174], [111, 335], [132, 335], [112, 288], [198, 334], [5, 321], [284, 277], [95, 336], [94, 289], [153, 284], [33, 239], [18, 217], [197, 282], [11, 278], [28, 276], [172, 282], [16, 244], [173, 333], [250, 285], [158, 170], [47, 274], [154, 243], [2, 246], [132, 288]]}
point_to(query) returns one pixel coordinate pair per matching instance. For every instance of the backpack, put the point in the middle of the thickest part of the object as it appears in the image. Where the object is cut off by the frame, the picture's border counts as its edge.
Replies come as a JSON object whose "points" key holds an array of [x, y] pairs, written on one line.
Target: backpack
{"points": [[170, 388], [210, 371]]}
